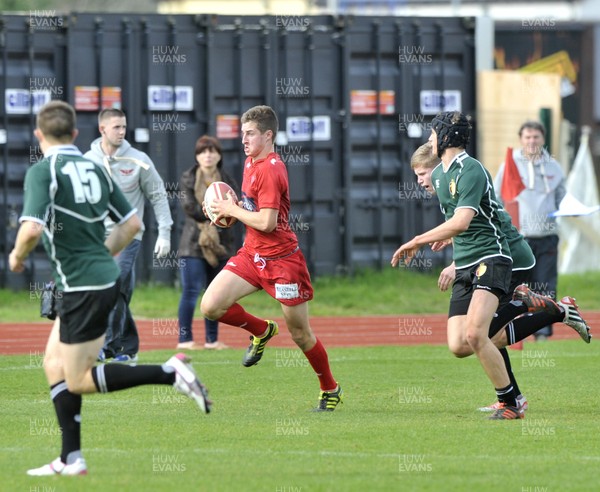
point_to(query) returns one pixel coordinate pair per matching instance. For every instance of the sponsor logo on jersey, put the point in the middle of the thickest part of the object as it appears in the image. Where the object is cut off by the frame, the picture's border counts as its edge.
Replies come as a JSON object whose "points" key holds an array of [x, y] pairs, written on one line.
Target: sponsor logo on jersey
{"points": [[248, 203]]}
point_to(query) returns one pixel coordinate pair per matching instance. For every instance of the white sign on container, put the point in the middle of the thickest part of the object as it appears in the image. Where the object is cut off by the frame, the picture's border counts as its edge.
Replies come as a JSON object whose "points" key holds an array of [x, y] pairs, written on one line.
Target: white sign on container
{"points": [[169, 98], [301, 128]]}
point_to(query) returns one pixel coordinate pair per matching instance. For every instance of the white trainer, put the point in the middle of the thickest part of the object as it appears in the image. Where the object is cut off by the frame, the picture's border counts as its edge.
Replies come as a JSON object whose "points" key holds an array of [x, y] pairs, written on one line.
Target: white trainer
{"points": [[187, 382], [57, 467], [574, 319]]}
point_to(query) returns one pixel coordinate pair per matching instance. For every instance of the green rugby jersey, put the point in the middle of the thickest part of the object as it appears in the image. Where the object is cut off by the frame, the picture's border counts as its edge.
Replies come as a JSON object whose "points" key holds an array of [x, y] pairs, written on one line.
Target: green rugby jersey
{"points": [[468, 184], [520, 251], [71, 196]]}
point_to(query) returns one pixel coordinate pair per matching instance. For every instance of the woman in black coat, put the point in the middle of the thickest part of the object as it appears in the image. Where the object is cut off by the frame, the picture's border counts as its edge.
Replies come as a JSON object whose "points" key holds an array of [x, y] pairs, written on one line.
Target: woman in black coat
{"points": [[203, 247]]}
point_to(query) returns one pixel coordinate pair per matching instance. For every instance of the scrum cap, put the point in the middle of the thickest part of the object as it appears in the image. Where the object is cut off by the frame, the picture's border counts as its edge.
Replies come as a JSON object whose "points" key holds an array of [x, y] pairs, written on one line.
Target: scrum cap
{"points": [[452, 128]]}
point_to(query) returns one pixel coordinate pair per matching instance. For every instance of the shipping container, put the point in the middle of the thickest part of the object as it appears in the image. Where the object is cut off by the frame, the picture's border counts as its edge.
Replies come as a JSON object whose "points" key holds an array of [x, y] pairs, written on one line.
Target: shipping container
{"points": [[355, 97]]}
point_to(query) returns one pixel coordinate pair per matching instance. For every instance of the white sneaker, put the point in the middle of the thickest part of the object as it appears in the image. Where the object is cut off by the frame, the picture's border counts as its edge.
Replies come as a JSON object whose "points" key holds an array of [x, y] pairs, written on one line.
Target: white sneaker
{"points": [[574, 319], [57, 467], [187, 382]]}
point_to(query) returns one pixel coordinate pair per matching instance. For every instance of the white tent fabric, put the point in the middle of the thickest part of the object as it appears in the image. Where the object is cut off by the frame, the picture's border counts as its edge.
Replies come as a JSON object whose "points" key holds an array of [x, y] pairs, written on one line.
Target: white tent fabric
{"points": [[578, 217]]}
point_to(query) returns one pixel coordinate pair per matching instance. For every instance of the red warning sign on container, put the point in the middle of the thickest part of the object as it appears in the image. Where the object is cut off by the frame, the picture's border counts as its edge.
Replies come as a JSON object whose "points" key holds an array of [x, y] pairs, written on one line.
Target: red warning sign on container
{"points": [[228, 126], [87, 98], [365, 102]]}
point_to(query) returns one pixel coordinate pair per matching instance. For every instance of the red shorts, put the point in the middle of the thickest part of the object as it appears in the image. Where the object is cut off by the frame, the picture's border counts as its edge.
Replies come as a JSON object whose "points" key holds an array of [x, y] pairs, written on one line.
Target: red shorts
{"points": [[285, 279]]}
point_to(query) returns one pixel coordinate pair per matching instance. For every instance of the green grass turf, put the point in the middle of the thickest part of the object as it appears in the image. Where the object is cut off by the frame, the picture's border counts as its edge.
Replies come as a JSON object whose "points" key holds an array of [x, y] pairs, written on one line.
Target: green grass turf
{"points": [[409, 422], [386, 292]]}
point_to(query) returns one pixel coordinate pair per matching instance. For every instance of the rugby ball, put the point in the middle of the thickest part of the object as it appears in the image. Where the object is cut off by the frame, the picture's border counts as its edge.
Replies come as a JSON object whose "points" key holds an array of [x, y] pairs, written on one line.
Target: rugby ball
{"points": [[219, 190]]}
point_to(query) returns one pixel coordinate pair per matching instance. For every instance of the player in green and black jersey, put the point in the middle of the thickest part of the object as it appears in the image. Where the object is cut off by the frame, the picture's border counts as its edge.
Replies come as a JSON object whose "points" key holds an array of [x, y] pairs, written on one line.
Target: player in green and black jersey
{"points": [[66, 200], [504, 329], [481, 251]]}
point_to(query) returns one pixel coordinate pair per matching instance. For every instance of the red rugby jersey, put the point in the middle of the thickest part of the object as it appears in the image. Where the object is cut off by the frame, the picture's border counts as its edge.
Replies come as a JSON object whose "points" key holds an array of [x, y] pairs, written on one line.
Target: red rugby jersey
{"points": [[265, 185]]}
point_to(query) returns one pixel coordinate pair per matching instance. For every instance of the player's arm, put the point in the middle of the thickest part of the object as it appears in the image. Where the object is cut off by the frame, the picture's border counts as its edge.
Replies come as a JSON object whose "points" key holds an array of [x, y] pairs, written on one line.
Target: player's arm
{"points": [[263, 220], [123, 233], [36, 200], [458, 223], [440, 245], [28, 236]]}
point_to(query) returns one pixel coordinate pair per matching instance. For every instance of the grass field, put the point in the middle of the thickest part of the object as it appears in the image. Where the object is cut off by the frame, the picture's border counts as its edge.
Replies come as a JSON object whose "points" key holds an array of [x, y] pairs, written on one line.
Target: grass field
{"points": [[409, 422], [388, 292]]}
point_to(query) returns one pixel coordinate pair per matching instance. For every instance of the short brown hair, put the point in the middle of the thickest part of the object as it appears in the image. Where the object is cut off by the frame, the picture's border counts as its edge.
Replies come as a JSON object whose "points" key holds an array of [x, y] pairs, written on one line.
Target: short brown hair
{"points": [[423, 157], [57, 120], [208, 142], [264, 117], [533, 125], [110, 113]]}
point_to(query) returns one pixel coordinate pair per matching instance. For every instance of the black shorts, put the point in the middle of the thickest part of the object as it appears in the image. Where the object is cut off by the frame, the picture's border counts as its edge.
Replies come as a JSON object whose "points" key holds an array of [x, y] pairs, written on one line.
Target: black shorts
{"points": [[84, 315], [492, 274], [517, 278]]}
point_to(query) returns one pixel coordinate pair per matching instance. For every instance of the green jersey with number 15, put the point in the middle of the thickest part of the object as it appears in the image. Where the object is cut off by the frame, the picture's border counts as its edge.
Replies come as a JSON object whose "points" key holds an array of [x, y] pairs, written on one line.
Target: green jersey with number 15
{"points": [[70, 197]]}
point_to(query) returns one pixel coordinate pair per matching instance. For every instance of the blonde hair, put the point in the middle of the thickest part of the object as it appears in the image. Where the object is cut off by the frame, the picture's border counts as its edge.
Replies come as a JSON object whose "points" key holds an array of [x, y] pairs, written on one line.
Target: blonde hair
{"points": [[422, 157]]}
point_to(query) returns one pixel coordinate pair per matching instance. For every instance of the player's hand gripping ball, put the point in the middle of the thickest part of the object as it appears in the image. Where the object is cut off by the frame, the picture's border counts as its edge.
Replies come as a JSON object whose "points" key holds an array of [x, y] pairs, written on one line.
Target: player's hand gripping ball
{"points": [[219, 190]]}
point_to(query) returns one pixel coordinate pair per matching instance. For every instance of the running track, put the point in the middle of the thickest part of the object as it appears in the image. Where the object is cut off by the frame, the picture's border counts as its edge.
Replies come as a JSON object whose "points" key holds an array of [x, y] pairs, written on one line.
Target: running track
{"points": [[161, 333]]}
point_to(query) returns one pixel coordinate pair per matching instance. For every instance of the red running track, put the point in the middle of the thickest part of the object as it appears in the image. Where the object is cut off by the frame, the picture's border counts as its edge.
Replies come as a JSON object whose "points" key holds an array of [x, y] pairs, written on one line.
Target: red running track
{"points": [[161, 333]]}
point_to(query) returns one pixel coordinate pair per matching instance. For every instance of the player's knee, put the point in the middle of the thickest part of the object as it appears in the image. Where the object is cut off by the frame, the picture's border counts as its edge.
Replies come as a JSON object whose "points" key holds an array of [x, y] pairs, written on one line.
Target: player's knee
{"points": [[459, 350], [53, 367], [303, 338], [300, 338], [474, 339], [76, 385], [209, 309]]}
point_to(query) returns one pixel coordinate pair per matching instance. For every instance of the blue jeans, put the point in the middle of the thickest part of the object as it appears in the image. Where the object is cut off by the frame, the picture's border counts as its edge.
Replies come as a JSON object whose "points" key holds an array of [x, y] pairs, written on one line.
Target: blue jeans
{"points": [[122, 336], [196, 274]]}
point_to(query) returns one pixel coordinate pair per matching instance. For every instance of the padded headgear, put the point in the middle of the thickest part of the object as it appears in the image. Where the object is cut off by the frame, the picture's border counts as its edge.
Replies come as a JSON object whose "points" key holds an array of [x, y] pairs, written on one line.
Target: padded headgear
{"points": [[452, 129]]}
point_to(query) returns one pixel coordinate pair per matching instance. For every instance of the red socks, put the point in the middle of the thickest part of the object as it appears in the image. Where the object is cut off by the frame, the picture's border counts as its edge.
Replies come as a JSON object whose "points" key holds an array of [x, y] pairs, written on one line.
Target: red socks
{"points": [[236, 315], [317, 356]]}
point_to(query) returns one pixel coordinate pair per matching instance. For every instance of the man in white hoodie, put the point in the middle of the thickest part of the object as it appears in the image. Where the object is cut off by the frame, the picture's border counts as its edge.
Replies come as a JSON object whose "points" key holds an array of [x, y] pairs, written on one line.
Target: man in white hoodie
{"points": [[137, 177], [544, 183]]}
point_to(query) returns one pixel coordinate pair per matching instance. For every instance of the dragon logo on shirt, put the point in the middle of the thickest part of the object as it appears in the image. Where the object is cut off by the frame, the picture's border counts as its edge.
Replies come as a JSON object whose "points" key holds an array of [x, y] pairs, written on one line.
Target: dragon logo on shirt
{"points": [[452, 188]]}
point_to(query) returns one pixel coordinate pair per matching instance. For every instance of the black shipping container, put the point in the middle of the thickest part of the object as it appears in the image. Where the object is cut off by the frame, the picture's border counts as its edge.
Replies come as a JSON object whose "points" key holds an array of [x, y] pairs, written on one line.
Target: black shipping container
{"points": [[354, 95]]}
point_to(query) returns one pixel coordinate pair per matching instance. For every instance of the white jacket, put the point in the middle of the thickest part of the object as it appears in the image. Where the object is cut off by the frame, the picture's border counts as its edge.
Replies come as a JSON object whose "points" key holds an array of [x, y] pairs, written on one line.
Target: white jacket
{"points": [[135, 174], [544, 183]]}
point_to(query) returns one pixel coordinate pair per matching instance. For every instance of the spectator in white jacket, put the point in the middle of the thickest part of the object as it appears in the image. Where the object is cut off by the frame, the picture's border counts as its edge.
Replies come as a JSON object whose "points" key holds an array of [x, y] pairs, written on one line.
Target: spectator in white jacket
{"points": [[139, 180], [544, 183]]}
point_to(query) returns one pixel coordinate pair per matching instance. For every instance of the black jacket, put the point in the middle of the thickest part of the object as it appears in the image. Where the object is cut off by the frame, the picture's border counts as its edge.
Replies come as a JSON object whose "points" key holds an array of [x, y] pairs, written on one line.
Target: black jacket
{"points": [[188, 242]]}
